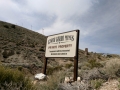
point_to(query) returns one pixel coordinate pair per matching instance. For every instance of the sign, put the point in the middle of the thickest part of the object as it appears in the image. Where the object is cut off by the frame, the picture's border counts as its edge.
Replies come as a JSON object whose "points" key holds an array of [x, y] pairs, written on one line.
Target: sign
{"points": [[62, 45]]}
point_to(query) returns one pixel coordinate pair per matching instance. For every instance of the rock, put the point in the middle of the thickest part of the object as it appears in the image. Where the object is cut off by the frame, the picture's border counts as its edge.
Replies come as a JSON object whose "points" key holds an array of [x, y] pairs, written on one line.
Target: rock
{"points": [[67, 80], [71, 79], [40, 76], [78, 79]]}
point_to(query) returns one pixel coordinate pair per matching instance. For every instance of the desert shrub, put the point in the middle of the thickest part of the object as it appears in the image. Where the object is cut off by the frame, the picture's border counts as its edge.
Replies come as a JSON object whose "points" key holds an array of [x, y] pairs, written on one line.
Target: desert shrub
{"points": [[6, 26], [42, 46], [41, 49], [68, 65], [71, 69], [112, 66], [109, 56], [85, 67], [93, 63], [50, 70], [7, 53], [13, 77], [15, 86], [99, 56], [39, 57], [13, 26], [53, 81], [18, 52], [71, 59], [118, 73], [96, 83], [11, 52], [20, 68], [32, 45], [119, 83], [18, 43]]}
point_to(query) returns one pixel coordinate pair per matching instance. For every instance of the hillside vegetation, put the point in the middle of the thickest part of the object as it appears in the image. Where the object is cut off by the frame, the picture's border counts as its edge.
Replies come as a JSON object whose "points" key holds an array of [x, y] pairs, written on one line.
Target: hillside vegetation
{"points": [[20, 46]]}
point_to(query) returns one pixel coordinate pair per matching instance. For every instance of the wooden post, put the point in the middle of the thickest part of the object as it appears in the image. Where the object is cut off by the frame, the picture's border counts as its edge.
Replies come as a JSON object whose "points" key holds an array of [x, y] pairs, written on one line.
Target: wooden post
{"points": [[75, 68], [76, 58], [45, 66]]}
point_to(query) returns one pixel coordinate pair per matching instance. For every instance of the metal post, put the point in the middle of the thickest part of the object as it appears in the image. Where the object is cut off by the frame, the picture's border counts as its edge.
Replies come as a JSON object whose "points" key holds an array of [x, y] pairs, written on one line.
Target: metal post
{"points": [[45, 66], [43, 31], [31, 27]]}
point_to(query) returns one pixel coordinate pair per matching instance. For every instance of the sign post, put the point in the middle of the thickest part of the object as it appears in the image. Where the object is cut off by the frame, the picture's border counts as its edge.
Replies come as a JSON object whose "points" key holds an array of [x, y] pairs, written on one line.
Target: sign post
{"points": [[61, 46], [76, 58], [45, 65]]}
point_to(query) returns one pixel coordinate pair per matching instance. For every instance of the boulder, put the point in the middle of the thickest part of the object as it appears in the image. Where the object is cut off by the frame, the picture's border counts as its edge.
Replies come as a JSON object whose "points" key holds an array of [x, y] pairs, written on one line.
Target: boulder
{"points": [[40, 76], [67, 80], [79, 79]]}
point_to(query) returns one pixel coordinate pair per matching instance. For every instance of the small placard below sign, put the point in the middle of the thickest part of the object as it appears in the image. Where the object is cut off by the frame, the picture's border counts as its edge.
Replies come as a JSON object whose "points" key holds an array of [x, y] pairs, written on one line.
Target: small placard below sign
{"points": [[62, 45]]}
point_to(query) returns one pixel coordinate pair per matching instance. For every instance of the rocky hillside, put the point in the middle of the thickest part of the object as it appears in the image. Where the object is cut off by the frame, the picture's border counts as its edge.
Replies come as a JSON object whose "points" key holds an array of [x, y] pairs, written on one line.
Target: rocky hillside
{"points": [[20, 47]]}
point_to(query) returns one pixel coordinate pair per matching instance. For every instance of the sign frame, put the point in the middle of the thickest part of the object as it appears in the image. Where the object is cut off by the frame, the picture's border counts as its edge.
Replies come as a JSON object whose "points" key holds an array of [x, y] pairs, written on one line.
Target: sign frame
{"points": [[75, 57]]}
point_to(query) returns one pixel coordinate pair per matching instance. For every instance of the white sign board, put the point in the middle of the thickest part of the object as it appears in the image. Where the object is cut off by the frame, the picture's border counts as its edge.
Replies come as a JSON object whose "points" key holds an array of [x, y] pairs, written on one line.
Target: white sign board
{"points": [[61, 45]]}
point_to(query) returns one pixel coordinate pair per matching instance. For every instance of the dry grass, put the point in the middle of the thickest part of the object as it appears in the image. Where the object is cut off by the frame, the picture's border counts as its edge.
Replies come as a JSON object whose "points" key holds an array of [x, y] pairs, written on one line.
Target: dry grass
{"points": [[93, 63], [68, 65], [52, 82], [51, 70], [96, 83], [12, 79]]}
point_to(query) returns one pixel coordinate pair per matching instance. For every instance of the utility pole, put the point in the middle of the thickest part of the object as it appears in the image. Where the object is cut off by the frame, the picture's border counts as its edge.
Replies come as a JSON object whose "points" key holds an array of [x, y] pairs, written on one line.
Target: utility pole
{"points": [[43, 31], [31, 27]]}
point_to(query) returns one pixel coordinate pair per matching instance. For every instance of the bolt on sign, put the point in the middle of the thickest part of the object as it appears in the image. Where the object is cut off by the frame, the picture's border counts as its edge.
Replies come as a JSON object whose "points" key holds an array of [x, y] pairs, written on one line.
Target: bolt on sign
{"points": [[63, 45]]}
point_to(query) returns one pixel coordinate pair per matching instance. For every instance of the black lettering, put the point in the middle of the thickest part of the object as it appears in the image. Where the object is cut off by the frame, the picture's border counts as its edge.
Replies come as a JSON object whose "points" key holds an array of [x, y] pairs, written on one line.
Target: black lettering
{"points": [[69, 37], [51, 40], [59, 38]]}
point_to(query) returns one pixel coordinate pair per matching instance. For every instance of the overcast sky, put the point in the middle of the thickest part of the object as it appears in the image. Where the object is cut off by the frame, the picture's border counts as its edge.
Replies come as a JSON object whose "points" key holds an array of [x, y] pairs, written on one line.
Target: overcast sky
{"points": [[97, 20]]}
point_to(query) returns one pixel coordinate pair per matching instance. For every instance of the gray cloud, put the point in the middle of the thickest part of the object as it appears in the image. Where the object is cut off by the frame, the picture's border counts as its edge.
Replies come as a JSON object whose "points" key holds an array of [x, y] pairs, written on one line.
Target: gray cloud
{"points": [[100, 26], [37, 20], [98, 20]]}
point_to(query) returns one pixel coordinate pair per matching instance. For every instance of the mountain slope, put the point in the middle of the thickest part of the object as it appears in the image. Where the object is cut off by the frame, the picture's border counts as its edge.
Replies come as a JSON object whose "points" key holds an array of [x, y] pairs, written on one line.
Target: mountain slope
{"points": [[20, 46]]}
